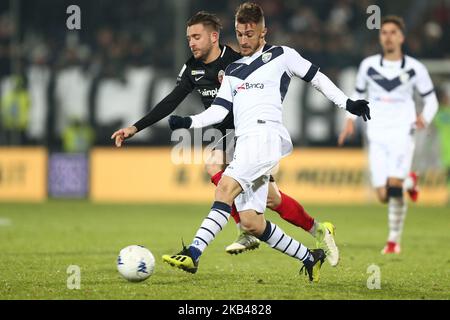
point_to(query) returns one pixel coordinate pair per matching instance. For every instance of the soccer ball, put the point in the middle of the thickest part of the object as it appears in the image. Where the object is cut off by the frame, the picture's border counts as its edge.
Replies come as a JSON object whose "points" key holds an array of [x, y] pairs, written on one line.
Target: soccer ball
{"points": [[135, 263]]}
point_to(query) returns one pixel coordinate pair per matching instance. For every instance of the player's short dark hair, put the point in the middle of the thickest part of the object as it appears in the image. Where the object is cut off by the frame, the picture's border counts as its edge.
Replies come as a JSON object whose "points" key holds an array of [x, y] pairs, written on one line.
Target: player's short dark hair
{"points": [[398, 21], [207, 19], [249, 12]]}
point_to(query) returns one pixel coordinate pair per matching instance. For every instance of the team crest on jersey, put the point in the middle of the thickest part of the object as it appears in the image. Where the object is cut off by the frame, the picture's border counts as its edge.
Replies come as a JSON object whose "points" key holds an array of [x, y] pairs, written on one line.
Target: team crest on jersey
{"points": [[220, 75], [266, 57], [404, 77], [198, 72]]}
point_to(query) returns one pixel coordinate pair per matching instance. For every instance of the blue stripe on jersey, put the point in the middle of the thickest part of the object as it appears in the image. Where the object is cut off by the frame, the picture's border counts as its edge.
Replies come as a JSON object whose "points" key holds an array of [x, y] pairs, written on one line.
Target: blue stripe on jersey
{"points": [[311, 73], [224, 103], [242, 71], [267, 47], [387, 84], [427, 93], [284, 85]]}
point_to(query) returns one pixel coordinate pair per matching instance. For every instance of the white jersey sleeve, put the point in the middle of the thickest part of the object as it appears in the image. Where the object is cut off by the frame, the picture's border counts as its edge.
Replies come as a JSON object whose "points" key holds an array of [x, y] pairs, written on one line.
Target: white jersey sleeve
{"points": [[323, 84], [425, 87], [221, 106], [300, 67], [423, 84], [213, 115]]}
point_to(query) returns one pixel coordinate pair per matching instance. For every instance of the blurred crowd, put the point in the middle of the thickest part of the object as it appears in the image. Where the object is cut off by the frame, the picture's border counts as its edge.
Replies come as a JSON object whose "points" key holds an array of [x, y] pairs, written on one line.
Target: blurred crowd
{"points": [[117, 34]]}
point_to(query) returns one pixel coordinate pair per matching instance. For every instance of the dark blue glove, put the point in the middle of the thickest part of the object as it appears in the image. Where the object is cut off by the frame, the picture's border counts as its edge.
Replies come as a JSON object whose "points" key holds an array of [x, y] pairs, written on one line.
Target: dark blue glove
{"points": [[359, 108], [177, 122]]}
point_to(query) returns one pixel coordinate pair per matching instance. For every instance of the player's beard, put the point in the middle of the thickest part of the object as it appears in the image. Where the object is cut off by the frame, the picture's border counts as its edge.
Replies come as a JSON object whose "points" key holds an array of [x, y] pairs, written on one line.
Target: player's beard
{"points": [[389, 50], [389, 47], [202, 55], [246, 51], [250, 50]]}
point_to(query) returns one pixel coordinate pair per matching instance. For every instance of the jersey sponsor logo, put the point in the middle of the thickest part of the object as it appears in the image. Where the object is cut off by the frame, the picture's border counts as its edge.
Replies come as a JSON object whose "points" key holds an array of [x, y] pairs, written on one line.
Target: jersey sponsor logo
{"points": [[208, 92], [198, 72], [404, 77], [220, 75], [266, 57], [389, 99], [248, 86], [198, 78]]}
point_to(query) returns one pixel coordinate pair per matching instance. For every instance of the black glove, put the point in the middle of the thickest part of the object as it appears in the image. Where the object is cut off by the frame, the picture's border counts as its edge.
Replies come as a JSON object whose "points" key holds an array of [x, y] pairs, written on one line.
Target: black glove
{"points": [[177, 122], [359, 108]]}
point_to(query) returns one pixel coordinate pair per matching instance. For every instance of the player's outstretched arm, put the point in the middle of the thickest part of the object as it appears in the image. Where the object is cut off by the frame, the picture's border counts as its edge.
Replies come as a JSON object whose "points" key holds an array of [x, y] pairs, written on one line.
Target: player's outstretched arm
{"points": [[122, 134], [213, 115], [357, 107], [160, 111], [222, 105], [163, 108]]}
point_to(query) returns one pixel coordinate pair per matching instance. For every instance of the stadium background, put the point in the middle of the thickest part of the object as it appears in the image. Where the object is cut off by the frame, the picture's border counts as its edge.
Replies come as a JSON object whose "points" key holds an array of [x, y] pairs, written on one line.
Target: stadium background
{"points": [[68, 197], [63, 93]]}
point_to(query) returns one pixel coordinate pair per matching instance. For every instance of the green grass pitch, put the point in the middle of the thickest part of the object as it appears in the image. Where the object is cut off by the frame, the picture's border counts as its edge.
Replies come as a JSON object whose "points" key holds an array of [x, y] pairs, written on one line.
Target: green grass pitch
{"points": [[39, 241]]}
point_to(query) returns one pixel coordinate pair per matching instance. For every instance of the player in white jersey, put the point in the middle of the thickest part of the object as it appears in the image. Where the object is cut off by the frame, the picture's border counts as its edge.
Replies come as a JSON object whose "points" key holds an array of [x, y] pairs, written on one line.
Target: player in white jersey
{"points": [[254, 87], [389, 80]]}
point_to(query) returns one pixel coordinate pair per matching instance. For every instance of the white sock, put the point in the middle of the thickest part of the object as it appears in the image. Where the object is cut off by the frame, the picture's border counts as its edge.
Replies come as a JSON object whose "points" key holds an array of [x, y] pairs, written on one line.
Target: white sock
{"points": [[211, 225], [277, 239], [396, 216], [313, 229]]}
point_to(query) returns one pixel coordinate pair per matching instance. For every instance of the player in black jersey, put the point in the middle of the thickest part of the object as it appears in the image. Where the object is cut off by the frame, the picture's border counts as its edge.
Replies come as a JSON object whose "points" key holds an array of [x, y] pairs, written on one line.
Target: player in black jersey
{"points": [[203, 73]]}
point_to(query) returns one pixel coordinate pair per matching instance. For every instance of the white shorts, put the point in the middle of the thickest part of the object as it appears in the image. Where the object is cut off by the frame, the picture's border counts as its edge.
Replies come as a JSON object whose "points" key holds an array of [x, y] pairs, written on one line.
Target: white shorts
{"points": [[390, 154], [255, 155], [226, 144]]}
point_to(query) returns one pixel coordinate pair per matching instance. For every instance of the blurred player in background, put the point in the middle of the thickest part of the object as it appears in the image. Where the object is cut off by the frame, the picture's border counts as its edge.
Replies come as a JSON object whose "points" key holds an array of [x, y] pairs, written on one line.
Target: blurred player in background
{"points": [[254, 88], [389, 80], [203, 72]]}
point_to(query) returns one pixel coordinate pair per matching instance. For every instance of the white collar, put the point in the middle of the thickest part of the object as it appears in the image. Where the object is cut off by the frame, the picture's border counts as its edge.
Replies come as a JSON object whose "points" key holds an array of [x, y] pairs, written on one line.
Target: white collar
{"points": [[255, 55]]}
